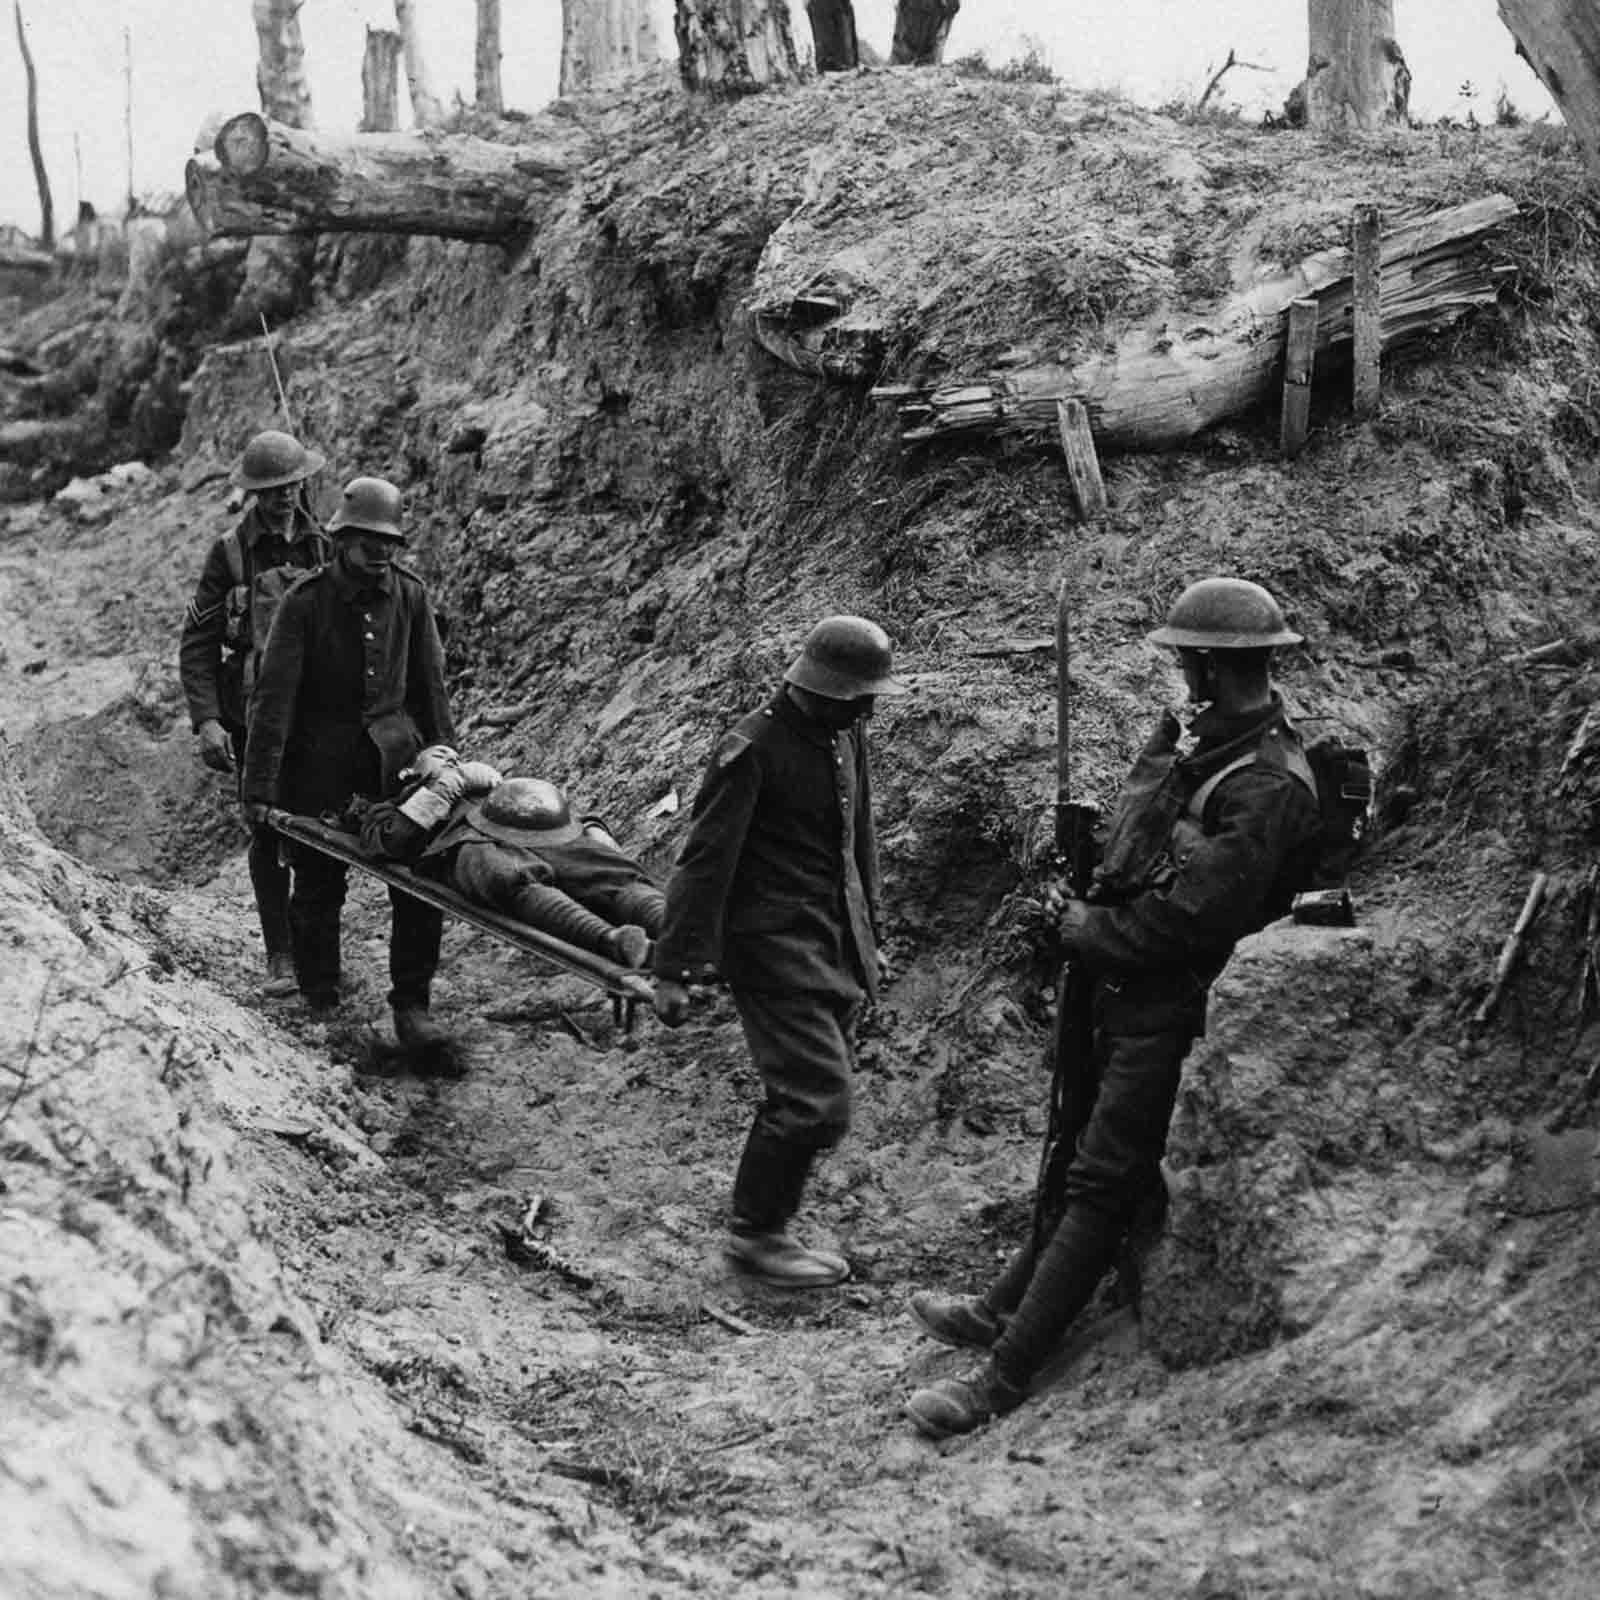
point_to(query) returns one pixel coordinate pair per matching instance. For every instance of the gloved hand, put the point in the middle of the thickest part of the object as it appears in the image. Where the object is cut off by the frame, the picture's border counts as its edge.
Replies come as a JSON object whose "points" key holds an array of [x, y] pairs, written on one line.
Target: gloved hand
{"points": [[671, 1002], [255, 812], [1072, 922], [216, 748]]}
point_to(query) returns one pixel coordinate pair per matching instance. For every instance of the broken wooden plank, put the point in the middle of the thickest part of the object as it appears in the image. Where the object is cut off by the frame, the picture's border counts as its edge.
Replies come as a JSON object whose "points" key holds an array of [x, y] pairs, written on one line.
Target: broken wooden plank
{"points": [[1083, 465], [1367, 332], [1299, 361], [1511, 950]]}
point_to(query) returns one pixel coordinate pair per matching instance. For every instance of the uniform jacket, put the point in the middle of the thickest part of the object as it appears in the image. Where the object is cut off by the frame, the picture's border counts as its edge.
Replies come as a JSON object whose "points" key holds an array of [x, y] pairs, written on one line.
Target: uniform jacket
{"points": [[212, 674], [350, 688], [777, 885], [1223, 874]]}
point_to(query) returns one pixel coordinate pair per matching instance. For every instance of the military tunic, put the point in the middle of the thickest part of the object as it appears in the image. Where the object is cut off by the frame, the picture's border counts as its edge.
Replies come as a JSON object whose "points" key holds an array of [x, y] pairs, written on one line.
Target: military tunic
{"points": [[777, 888]]}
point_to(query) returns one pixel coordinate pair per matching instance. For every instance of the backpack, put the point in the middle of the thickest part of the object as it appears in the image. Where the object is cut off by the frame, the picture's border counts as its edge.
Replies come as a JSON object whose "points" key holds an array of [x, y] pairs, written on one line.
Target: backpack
{"points": [[1339, 775], [249, 607]]}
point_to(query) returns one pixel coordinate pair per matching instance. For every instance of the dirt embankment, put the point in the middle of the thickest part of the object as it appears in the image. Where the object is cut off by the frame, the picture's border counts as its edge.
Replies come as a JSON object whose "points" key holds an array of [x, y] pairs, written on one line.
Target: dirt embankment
{"points": [[1360, 1367]]}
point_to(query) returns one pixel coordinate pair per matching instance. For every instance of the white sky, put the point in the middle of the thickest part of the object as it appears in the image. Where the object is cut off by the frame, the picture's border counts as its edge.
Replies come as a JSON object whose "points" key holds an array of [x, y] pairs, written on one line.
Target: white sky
{"points": [[190, 60]]}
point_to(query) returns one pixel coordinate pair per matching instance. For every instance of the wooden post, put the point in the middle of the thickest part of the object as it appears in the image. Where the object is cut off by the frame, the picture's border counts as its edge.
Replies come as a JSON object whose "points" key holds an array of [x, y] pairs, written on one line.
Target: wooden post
{"points": [[1083, 465], [1368, 318], [1299, 359]]}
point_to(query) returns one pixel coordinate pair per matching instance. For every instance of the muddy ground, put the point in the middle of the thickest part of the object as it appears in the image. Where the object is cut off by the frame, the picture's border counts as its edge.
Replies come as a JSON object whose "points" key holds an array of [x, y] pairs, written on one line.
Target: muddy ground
{"points": [[262, 1328]]}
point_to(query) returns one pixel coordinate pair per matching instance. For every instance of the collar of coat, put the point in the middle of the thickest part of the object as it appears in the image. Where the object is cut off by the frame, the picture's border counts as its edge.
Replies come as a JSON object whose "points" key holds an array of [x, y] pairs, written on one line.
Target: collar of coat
{"points": [[302, 525], [809, 729], [352, 590], [1223, 737]]}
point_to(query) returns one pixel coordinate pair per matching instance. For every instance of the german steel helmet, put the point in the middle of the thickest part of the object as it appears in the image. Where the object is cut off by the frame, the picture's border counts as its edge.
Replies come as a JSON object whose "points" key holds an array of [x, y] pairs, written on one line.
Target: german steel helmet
{"points": [[1225, 614], [531, 810], [372, 504], [272, 459], [844, 658]]}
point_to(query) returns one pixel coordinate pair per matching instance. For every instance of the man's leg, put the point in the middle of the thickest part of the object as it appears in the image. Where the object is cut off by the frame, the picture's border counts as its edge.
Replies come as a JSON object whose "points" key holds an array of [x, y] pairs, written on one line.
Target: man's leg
{"points": [[315, 901], [802, 1046], [1106, 1180], [415, 930], [269, 878]]}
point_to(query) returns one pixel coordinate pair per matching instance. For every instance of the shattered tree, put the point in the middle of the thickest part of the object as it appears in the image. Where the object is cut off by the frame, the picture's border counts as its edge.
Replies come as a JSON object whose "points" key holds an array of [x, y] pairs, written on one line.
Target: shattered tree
{"points": [[1560, 40], [1158, 389], [921, 30], [426, 111], [833, 35], [41, 178], [281, 62], [380, 81], [264, 178], [1356, 75], [603, 37], [734, 46], [488, 95]]}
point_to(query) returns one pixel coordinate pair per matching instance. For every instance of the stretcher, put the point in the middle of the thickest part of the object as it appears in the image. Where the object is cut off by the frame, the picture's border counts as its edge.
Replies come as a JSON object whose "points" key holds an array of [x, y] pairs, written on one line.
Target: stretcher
{"points": [[624, 986]]}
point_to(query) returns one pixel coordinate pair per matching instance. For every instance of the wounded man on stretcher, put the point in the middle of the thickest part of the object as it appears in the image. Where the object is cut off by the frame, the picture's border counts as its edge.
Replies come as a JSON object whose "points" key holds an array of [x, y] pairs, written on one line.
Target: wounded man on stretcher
{"points": [[513, 845]]}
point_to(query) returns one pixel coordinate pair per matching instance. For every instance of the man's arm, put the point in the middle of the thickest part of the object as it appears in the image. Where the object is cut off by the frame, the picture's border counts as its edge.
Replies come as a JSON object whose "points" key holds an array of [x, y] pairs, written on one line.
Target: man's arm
{"points": [[697, 893], [273, 704], [1222, 889], [200, 643]]}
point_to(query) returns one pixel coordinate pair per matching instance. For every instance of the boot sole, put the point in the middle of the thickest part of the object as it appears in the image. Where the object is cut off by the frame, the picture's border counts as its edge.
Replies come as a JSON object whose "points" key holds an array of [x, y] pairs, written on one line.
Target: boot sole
{"points": [[773, 1281], [949, 1340]]}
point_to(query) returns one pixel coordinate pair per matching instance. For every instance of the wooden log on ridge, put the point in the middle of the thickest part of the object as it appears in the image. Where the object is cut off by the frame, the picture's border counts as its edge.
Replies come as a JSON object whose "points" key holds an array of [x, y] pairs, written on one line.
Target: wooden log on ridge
{"points": [[265, 178], [1160, 388]]}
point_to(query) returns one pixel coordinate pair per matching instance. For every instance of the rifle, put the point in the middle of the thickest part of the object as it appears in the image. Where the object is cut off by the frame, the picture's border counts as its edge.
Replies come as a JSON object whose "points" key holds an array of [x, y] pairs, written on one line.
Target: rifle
{"points": [[1070, 1053]]}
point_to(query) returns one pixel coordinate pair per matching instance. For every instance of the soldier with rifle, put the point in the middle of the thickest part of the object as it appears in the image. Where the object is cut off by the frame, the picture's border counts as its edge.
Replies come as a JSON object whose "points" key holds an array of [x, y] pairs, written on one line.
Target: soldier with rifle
{"points": [[247, 571], [1216, 828]]}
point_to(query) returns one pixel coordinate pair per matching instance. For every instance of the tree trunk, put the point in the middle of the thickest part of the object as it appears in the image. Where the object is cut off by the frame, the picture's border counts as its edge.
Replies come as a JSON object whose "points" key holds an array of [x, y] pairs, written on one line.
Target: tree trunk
{"points": [[1356, 76], [426, 112], [1560, 40], [921, 28], [487, 59], [833, 34], [380, 82], [1160, 388], [41, 178], [735, 46], [603, 37], [281, 63], [264, 178]]}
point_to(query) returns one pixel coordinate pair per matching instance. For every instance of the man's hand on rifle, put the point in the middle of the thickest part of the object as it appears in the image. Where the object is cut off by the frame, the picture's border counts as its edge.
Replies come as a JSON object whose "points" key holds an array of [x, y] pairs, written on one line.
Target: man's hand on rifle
{"points": [[1071, 918], [255, 812], [216, 748]]}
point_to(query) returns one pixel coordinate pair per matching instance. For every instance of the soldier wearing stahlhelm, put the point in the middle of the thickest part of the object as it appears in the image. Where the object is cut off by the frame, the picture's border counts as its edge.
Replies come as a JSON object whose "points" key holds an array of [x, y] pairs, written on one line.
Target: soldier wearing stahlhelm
{"points": [[1209, 841], [777, 889], [246, 573], [350, 690]]}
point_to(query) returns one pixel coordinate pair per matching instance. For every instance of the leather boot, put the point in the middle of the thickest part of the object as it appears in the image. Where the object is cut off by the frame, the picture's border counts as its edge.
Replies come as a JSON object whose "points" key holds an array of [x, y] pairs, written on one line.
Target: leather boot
{"points": [[962, 1321], [430, 1047], [766, 1194], [628, 946], [785, 1263], [958, 1405], [280, 981]]}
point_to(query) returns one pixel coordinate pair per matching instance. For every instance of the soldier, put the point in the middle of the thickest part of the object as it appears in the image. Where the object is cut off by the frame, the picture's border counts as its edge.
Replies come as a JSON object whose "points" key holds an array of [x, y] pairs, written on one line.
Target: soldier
{"points": [[246, 572], [351, 688], [1206, 845], [514, 845], [777, 889]]}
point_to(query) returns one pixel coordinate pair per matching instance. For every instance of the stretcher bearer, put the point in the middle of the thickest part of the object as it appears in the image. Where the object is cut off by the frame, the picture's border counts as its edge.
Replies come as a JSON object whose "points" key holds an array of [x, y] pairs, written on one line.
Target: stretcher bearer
{"points": [[777, 889], [351, 689], [246, 573]]}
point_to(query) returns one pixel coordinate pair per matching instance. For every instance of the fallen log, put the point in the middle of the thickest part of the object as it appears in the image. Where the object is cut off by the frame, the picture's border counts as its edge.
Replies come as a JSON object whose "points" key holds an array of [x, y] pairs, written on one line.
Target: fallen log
{"points": [[1165, 383], [264, 178]]}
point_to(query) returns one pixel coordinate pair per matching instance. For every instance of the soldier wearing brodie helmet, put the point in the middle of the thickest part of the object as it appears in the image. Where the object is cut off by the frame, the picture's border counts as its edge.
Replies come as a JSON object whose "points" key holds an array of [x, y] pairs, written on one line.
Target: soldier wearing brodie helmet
{"points": [[1211, 838], [777, 889], [246, 572]]}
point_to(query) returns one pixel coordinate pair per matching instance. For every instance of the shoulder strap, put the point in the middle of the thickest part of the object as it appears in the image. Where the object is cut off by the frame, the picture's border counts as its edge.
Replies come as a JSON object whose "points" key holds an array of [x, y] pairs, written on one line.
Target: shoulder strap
{"points": [[1294, 763], [233, 551]]}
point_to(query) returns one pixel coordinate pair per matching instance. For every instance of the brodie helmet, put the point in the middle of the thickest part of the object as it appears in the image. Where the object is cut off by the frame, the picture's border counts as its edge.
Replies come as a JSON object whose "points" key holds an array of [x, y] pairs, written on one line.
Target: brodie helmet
{"points": [[844, 658], [371, 504], [273, 459], [1225, 614], [528, 811]]}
